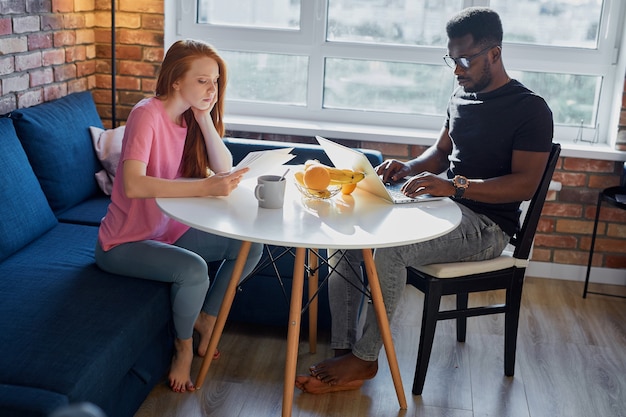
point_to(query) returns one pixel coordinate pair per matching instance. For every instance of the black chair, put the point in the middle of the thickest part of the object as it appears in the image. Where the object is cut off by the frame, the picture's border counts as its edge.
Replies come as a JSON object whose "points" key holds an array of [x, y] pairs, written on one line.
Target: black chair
{"points": [[461, 278], [615, 197]]}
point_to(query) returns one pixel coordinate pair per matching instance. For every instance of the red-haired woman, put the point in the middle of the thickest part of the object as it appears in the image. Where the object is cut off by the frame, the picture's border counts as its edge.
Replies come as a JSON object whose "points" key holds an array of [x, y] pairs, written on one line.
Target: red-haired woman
{"points": [[169, 138]]}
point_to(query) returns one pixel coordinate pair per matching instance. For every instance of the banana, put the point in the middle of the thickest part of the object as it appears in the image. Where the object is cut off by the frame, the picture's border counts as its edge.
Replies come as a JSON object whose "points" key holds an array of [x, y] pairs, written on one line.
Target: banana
{"points": [[299, 176], [344, 176], [338, 176]]}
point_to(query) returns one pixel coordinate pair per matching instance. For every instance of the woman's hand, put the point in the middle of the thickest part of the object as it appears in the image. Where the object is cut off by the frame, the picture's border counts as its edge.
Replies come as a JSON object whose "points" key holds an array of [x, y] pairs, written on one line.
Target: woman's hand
{"points": [[221, 160], [224, 183], [138, 185], [203, 116]]}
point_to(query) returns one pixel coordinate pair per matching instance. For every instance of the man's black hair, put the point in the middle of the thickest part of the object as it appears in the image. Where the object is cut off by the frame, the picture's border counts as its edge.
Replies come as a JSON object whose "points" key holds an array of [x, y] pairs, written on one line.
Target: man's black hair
{"points": [[481, 22]]}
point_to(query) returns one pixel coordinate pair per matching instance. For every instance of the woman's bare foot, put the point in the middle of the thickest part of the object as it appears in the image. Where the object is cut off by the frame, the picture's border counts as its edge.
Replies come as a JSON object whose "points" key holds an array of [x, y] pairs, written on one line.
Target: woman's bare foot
{"points": [[204, 326], [180, 370]]}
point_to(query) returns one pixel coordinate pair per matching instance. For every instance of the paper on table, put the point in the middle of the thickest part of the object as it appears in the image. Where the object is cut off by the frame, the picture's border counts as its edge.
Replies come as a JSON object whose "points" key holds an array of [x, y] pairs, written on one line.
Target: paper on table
{"points": [[260, 162]]}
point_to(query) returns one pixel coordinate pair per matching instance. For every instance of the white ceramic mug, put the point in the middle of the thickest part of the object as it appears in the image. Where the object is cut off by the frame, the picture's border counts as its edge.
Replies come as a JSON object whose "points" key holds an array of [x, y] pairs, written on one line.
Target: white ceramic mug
{"points": [[270, 191]]}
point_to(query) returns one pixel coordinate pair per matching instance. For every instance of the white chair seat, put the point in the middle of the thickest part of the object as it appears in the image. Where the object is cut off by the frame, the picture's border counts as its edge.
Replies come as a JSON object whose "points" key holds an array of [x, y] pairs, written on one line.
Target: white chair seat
{"points": [[458, 269]]}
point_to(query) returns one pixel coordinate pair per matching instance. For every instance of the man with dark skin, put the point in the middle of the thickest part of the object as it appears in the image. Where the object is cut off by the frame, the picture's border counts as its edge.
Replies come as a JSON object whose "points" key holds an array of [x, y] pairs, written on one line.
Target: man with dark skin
{"points": [[494, 146]]}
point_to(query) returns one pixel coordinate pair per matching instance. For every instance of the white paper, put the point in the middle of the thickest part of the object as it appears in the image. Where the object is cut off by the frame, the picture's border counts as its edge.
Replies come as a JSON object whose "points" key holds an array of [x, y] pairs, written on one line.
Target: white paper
{"points": [[262, 162]]}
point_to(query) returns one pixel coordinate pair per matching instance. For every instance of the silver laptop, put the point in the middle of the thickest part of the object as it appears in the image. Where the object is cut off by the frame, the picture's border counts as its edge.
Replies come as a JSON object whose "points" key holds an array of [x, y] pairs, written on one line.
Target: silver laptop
{"points": [[346, 158]]}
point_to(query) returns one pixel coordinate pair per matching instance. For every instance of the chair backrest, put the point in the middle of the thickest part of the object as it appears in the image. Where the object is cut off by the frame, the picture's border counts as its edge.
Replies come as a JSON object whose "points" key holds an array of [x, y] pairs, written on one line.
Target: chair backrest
{"points": [[523, 239]]}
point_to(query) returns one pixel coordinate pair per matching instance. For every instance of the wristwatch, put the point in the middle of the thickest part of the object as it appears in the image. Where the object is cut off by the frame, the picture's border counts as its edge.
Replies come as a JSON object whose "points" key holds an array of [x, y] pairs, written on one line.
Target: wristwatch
{"points": [[460, 185]]}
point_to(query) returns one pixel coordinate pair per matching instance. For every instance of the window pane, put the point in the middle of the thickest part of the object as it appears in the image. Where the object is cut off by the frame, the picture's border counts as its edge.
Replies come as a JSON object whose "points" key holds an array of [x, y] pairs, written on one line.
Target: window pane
{"points": [[387, 86], [573, 23], [262, 77], [407, 22], [573, 99], [273, 14]]}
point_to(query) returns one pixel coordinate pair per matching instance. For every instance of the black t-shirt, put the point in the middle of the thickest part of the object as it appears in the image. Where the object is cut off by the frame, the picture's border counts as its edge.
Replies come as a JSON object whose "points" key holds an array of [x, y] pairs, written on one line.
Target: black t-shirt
{"points": [[485, 128]]}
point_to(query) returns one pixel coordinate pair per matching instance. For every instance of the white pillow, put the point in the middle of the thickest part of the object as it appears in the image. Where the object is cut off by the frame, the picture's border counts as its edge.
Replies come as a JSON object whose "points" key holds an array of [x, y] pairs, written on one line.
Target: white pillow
{"points": [[108, 147]]}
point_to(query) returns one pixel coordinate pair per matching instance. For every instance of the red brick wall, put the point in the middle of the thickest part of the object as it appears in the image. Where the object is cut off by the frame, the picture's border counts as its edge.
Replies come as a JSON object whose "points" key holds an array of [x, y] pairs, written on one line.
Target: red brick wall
{"points": [[139, 51], [49, 49], [566, 225]]}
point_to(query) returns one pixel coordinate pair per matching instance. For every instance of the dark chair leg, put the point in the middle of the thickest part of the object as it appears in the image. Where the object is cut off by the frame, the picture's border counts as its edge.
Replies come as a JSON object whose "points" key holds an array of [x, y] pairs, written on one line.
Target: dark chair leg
{"points": [[461, 322], [432, 300], [593, 244], [511, 320]]}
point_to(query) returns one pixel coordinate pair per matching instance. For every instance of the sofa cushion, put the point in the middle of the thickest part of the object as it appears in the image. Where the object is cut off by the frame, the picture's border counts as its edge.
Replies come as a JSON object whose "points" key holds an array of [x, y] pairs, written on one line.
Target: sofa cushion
{"points": [[24, 211], [56, 138], [89, 212], [108, 147], [74, 329]]}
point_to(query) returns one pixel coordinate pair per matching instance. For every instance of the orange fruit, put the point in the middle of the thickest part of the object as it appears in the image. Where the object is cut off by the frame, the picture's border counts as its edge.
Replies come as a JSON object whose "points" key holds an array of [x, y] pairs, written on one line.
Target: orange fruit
{"points": [[316, 177], [348, 188]]}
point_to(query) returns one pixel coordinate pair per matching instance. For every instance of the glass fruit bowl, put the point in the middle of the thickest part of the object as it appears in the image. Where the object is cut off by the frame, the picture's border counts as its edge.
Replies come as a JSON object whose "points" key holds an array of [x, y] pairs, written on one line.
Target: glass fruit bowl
{"points": [[329, 193]]}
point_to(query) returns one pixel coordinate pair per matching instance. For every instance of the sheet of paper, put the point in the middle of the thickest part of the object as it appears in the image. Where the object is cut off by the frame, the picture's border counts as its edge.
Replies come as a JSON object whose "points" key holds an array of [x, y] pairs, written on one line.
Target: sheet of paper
{"points": [[262, 162]]}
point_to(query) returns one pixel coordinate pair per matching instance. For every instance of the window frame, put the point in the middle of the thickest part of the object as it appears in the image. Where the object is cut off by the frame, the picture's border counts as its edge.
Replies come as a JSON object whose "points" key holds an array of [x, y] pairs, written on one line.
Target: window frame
{"points": [[608, 60]]}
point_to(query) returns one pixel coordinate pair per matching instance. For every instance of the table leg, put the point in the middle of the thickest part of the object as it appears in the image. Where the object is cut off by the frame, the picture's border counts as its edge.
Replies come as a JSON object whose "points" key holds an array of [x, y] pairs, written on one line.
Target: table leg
{"points": [[313, 283], [293, 332], [223, 312], [383, 325]]}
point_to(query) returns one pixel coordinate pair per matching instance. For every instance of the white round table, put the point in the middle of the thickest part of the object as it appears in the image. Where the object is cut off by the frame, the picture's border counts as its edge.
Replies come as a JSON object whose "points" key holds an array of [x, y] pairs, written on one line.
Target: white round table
{"points": [[358, 221]]}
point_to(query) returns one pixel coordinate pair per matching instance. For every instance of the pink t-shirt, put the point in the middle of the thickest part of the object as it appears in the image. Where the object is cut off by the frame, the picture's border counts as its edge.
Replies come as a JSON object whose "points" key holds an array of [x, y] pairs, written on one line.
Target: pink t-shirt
{"points": [[150, 136]]}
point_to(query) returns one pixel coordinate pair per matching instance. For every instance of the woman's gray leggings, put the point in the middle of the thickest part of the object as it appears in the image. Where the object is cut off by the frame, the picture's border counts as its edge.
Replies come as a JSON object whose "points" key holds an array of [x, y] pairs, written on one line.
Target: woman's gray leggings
{"points": [[184, 264]]}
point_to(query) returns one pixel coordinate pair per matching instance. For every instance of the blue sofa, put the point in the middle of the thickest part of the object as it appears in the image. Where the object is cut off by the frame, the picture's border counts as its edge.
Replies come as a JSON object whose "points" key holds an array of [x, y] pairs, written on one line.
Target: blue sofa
{"points": [[71, 332]]}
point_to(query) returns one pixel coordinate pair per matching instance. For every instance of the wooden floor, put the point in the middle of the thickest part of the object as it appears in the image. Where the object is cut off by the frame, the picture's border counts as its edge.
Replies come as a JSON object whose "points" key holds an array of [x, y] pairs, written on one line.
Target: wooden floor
{"points": [[571, 362]]}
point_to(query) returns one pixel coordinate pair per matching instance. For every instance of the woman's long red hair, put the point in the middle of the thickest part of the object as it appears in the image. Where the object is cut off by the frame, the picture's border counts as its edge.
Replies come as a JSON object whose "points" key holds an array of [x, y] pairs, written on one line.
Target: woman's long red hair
{"points": [[195, 161]]}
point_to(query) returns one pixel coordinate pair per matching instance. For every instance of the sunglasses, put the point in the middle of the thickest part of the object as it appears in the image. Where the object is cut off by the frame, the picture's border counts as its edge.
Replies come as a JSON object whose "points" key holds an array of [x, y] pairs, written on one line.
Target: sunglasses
{"points": [[464, 61]]}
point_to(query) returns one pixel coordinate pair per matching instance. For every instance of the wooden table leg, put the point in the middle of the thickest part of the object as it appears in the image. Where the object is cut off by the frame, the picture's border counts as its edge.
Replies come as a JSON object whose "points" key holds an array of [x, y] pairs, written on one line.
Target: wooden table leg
{"points": [[383, 325], [313, 283], [293, 332], [223, 312]]}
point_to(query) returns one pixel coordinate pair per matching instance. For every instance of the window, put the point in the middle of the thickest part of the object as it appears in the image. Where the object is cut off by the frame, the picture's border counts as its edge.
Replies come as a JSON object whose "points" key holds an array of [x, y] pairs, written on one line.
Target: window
{"points": [[375, 68]]}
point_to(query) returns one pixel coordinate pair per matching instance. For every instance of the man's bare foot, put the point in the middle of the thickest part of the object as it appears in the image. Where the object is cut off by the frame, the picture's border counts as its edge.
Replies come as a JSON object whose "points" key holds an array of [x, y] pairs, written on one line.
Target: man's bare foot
{"points": [[204, 326], [180, 370], [342, 370], [341, 352], [312, 385]]}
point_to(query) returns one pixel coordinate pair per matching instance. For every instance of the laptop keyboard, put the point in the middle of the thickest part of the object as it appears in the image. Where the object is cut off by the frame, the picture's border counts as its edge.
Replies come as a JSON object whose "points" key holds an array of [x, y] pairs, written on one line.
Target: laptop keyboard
{"points": [[396, 193], [399, 197]]}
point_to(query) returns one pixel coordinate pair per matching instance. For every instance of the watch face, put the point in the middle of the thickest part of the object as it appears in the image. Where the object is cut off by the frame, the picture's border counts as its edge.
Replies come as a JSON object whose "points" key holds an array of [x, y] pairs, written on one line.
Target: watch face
{"points": [[460, 181]]}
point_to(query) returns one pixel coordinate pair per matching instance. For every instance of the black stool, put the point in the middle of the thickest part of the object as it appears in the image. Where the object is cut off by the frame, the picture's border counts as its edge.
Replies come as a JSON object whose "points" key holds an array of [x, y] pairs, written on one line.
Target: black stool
{"points": [[616, 197]]}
